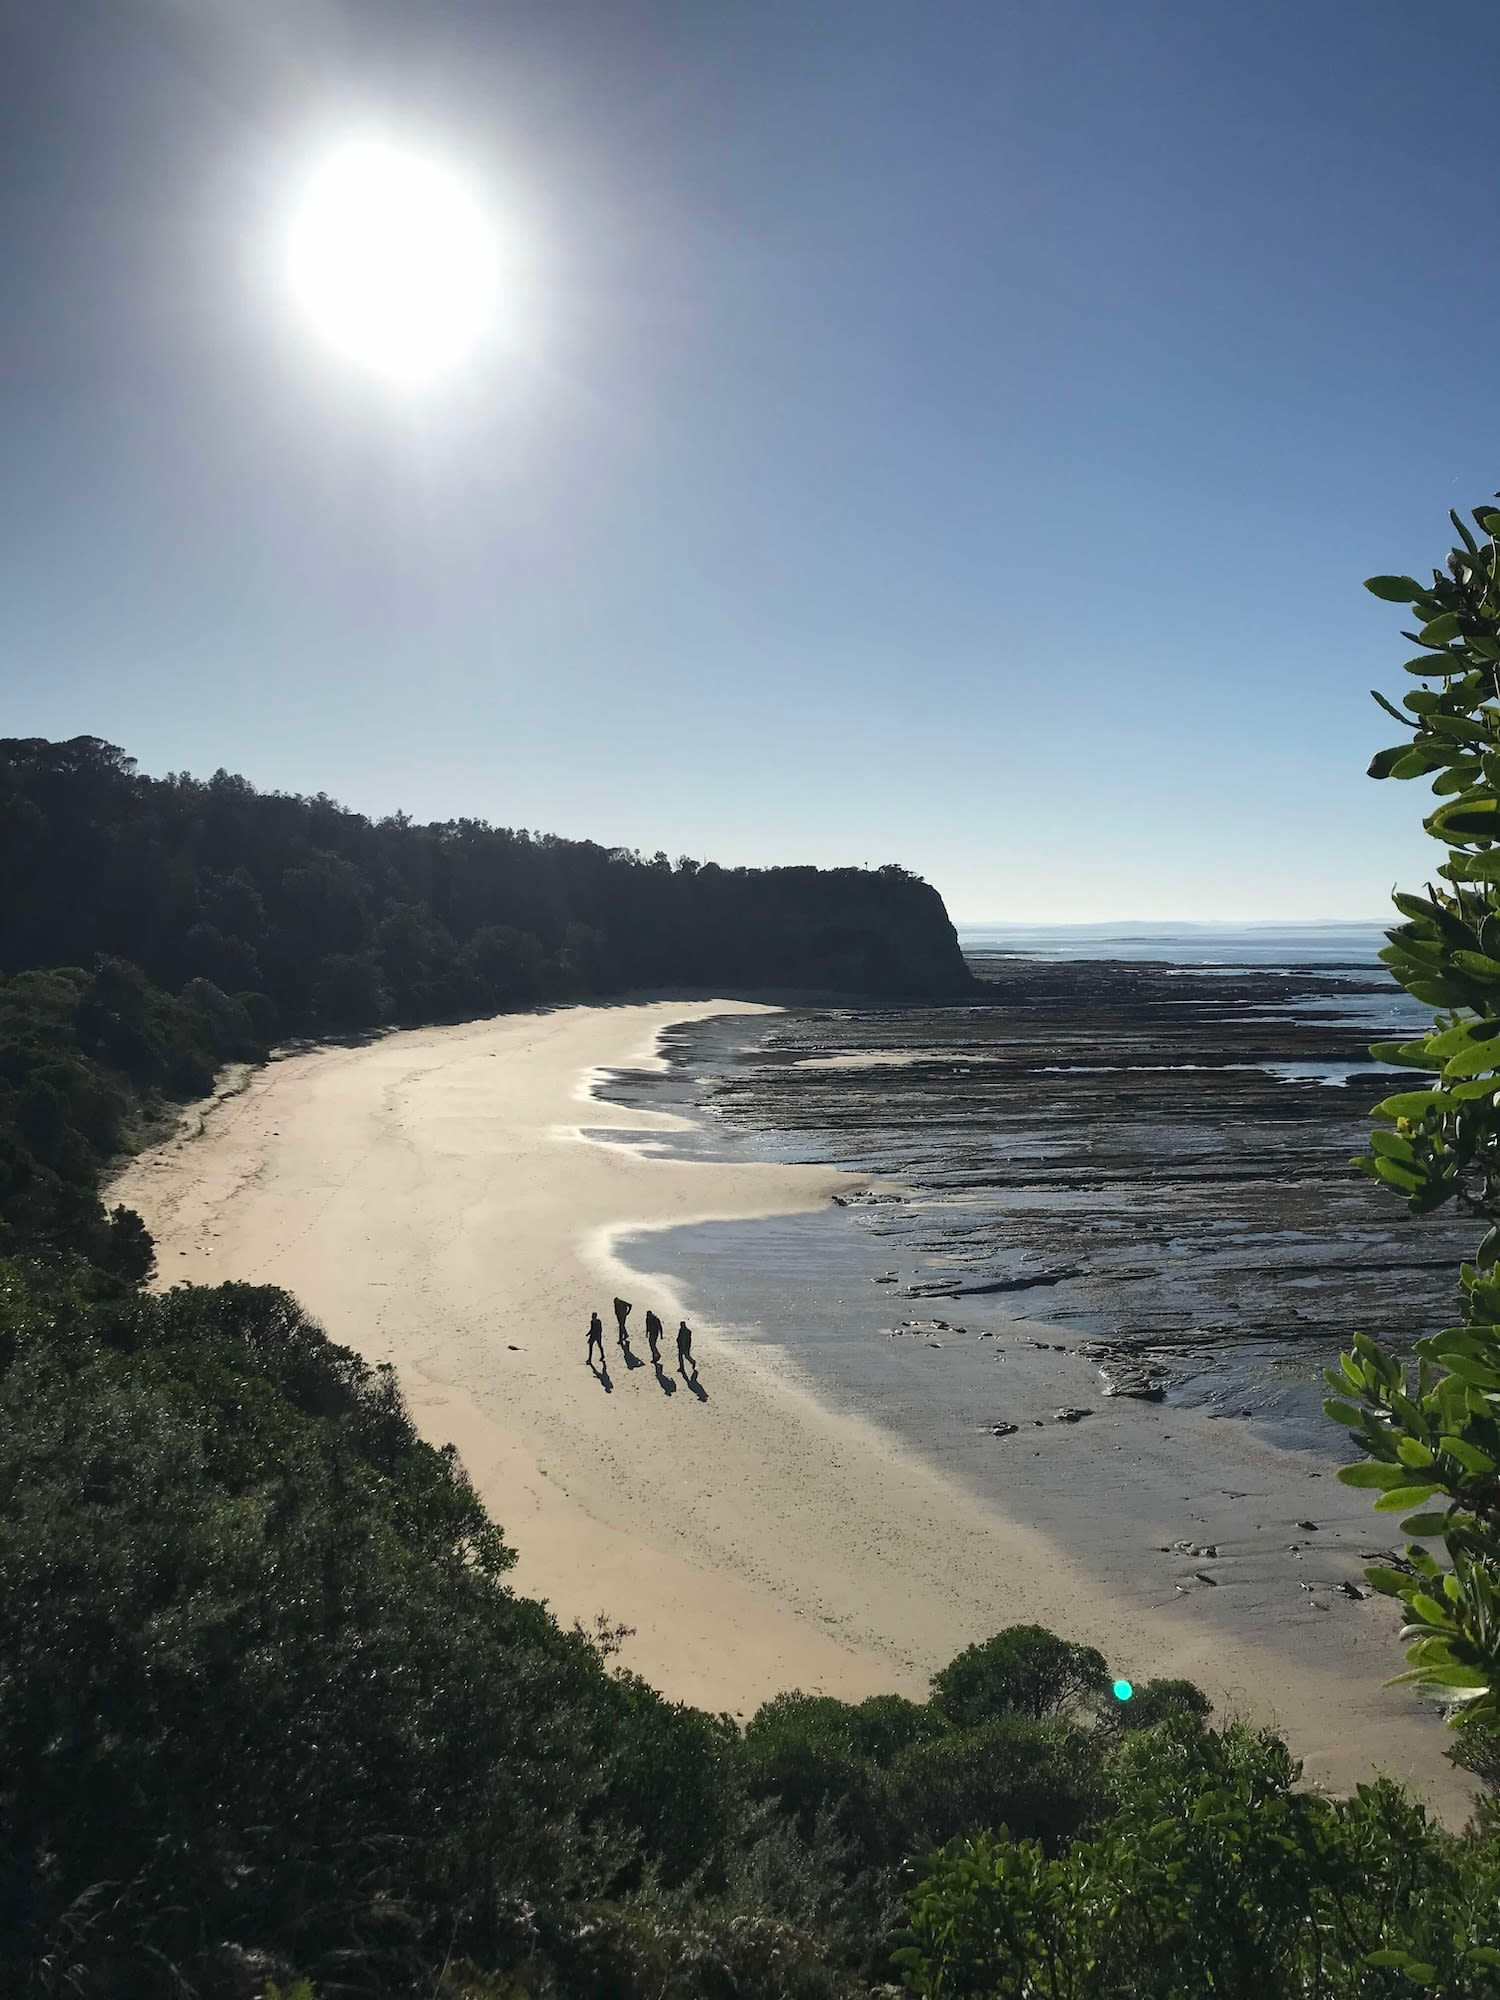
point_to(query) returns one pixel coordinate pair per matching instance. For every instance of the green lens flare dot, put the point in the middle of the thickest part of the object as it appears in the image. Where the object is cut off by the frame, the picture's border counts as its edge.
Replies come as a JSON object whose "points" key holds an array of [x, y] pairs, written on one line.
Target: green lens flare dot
{"points": [[1123, 1690]]}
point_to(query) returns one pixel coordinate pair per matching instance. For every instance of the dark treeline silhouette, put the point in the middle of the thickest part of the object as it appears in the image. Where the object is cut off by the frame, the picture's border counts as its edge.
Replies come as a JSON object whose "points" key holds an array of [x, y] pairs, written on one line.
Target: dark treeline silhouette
{"points": [[154, 929], [328, 921]]}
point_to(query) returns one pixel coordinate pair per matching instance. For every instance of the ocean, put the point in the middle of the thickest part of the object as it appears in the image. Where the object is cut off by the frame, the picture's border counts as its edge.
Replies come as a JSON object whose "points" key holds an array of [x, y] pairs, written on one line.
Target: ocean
{"points": [[1290, 944], [1135, 1147]]}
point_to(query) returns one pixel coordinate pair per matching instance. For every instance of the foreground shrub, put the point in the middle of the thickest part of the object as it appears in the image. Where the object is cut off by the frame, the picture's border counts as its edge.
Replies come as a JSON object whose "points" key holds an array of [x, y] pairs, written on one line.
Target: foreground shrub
{"points": [[1024, 1670], [1215, 1876], [261, 1684]]}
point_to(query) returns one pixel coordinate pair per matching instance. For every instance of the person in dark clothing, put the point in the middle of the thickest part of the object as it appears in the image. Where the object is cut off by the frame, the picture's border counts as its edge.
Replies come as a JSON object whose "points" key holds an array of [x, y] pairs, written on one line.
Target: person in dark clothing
{"points": [[623, 1310], [596, 1339], [653, 1337], [685, 1359]]}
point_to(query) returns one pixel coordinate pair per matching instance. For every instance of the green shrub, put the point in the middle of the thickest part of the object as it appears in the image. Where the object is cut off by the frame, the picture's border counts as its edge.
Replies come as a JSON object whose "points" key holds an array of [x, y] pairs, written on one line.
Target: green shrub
{"points": [[1215, 1876], [1024, 1670]]}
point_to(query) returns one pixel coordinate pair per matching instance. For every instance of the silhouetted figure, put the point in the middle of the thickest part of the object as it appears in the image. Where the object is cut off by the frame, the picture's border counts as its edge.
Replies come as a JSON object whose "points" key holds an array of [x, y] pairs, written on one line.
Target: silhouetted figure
{"points": [[653, 1337], [685, 1359], [596, 1339], [623, 1310]]}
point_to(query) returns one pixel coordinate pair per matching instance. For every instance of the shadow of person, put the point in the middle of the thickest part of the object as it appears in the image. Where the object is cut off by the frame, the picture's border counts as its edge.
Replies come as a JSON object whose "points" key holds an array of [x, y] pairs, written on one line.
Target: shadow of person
{"points": [[696, 1386], [664, 1381], [601, 1376], [632, 1360]]}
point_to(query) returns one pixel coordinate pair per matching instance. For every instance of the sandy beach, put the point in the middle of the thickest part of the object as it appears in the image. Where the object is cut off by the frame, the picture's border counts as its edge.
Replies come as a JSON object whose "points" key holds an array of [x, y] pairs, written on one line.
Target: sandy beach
{"points": [[432, 1198]]}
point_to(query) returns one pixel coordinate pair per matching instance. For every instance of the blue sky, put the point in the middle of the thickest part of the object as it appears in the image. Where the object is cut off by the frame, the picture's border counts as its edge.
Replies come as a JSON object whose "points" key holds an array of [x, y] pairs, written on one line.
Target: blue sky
{"points": [[952, 434]]}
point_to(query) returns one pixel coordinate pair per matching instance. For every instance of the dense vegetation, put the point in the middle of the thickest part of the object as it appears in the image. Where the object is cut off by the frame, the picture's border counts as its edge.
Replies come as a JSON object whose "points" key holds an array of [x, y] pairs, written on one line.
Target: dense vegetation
{"points": [[152, 930], [272, 1721], [1433, 1433], [270, 1713], [322, 920], [267, 1707]]}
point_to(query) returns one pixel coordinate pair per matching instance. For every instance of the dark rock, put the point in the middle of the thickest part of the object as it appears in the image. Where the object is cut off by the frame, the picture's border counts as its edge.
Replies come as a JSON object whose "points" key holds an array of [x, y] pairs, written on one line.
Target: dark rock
{"points": [[1070, 1415], [1309, 1524], [1141, 1387], [1204, 1577]]}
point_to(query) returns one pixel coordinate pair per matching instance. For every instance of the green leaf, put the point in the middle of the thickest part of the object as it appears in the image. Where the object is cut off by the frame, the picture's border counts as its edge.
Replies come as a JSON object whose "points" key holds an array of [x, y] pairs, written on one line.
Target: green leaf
{"points": [[1393, 1146], [1459, 729], [1371, 1473], [1391, 1960], [1474, 821], [1477, 1057], [1455, 1676], [1383, 763], [1405, 1055], [1430, 1612], [1438, 631], [1403, 1496], [1389, 1582], [1425, 1527], [1475, 867], [1477, 965], [1394, 589], [1469, 1456], [1415, 763], [1468, 1093], [1411, 1451], [1410, 1103], [1451, 1040]]}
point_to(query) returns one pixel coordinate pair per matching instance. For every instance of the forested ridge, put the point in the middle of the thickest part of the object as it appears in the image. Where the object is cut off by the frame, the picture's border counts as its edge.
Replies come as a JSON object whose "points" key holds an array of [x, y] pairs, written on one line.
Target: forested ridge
{"points": [[338, 922], [154, 929]]}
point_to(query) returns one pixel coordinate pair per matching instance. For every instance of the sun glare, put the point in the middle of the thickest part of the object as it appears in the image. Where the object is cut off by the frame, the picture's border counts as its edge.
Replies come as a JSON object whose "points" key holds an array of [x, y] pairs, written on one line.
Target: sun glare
{"points": [[394, 262]]}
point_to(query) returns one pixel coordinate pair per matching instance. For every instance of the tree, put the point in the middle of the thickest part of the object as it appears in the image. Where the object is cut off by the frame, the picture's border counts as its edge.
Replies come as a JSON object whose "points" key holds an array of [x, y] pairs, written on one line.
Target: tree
{"points": [[1024, 1670], [1432, 1435]]}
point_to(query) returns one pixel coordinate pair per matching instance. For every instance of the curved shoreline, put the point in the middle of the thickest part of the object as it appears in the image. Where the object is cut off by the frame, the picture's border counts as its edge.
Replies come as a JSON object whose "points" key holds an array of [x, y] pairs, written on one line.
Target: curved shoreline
{"points": [[433, 1199]]}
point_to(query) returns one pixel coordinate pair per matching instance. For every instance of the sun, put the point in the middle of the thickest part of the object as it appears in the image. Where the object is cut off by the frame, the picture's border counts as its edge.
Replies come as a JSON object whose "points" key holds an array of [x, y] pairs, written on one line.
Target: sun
{"points": [[394, 263]]}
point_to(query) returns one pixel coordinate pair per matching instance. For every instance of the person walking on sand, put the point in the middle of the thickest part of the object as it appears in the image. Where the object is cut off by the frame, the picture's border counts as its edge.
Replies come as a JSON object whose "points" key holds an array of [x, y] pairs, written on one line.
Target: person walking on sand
{"points": [[653, 1337], [685, 1359], [596, 1339], [623, 1310]]}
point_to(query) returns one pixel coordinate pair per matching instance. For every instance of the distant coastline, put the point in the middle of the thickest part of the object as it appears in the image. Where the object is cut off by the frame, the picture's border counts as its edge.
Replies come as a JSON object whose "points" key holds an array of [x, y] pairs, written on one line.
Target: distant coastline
{"points": [[1353, 941]]}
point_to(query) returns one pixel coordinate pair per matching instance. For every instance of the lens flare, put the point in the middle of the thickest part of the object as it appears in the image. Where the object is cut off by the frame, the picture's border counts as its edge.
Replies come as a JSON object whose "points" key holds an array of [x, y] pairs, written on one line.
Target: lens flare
{"points": [[393, 261], [1123, 1690]]}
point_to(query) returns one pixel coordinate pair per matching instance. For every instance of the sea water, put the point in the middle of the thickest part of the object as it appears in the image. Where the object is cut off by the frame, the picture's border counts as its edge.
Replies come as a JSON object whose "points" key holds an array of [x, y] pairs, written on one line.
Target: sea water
{"points": [[1327, 943], [1140, 1138]]}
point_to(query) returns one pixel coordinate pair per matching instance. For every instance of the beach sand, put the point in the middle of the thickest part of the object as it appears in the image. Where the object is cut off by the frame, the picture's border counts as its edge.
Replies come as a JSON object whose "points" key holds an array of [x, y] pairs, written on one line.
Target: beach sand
{"points": [[432, 1198]]}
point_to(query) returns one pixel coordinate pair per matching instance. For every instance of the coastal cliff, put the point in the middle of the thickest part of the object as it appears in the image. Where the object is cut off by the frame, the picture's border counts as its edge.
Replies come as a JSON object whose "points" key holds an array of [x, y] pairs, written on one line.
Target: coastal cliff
{"points": [[316, 919]]}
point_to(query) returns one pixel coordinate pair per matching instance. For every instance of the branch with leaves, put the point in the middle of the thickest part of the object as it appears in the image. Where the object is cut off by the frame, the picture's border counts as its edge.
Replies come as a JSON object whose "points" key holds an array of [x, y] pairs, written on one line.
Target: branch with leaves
{"points": [[1432, 1434]]}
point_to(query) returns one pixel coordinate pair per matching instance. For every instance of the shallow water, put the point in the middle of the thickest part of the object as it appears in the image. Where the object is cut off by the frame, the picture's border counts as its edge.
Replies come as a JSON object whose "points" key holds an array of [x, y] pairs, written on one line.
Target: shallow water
{"points": [[1152, 1159]]}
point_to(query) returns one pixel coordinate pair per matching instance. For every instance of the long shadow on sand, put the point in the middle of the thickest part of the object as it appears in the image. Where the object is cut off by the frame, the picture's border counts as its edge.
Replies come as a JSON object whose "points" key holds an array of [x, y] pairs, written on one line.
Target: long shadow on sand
{"points": [[696, 1386], [664, 1381], [601, 1376]]}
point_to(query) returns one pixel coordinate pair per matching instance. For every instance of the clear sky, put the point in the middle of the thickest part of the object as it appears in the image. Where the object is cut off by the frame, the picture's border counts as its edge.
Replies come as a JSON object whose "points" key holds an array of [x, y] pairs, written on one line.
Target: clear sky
{"points": [[947, 433]]}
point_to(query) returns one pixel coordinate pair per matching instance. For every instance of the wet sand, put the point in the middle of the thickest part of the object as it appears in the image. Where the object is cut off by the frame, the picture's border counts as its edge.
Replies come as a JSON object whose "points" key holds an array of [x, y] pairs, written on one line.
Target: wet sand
{"points": [[431, 1196]]}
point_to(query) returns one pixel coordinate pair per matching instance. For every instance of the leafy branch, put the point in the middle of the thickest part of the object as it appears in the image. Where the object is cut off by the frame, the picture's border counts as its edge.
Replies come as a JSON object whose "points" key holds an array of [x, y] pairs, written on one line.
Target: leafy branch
{"points": [[1433, 1435]]}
